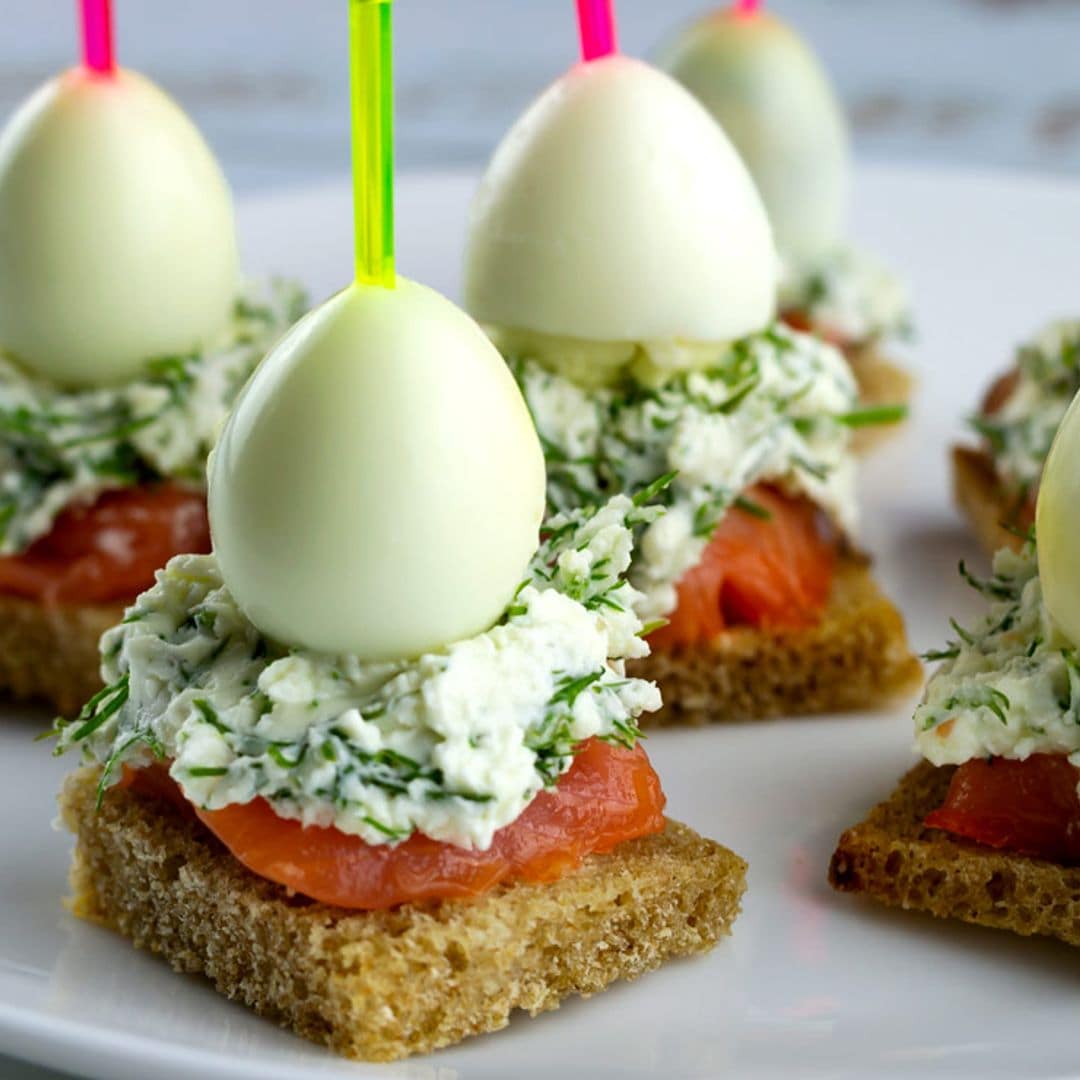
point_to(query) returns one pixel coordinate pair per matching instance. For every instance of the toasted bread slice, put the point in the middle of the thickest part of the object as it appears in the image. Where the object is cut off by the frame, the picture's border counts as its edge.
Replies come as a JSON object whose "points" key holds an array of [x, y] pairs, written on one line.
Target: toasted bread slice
{"points": [[51, 653], [893, 858], [382, 985], [881, 382], [982, 499], [856, 657]]}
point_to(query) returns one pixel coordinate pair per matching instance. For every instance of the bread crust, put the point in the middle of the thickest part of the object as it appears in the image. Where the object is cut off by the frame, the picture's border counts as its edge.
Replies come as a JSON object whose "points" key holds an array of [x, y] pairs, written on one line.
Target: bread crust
{"points": [[982, 498], [50, 653], [856, 657], [894, 859], [383, 985], [881, 381]]}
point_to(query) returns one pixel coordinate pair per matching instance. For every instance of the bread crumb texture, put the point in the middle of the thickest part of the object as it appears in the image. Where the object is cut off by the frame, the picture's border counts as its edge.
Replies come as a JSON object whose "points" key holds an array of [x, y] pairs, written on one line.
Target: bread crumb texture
{"points": [[51, 653], [383, 985], [856, 657], [893, 858], [980, 497]]}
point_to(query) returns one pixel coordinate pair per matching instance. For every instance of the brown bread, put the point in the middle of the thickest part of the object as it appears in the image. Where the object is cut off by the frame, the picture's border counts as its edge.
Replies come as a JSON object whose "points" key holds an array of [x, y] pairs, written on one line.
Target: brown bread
{"points": [[893, 858], [881, 382], [384, 985], [982, 499], [51, 653], [857, 657]]}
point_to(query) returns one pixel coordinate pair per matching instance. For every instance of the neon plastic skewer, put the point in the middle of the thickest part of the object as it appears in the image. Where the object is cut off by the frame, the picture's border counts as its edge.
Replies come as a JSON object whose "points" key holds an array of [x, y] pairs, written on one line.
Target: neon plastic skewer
{"points": [[372, 90], [97, 36], [596, 24], [747, 7]]}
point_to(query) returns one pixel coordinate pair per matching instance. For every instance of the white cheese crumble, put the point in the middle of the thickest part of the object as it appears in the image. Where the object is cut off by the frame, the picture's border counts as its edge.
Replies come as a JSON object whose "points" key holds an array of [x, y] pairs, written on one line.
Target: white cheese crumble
{"points": [[1009, 686], [59, 448], [454, 744], [776, 407], [848, 294], [1018, 435]]}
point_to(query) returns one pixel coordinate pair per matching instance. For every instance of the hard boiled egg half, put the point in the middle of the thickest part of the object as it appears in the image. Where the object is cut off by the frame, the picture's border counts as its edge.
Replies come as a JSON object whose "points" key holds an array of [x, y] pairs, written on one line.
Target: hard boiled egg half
{"points": [[379, 486], [117, 240], [616, 210], [768, 91], [1057, 521]]}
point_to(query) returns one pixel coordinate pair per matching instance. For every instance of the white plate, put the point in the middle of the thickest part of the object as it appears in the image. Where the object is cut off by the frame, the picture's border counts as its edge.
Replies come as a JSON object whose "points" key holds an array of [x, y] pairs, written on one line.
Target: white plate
{"points": [[812, 984]]}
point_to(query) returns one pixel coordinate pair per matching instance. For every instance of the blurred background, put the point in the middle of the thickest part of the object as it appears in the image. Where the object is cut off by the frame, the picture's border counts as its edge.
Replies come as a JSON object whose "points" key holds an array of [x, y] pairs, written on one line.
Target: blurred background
{"points": [[955, 82]]}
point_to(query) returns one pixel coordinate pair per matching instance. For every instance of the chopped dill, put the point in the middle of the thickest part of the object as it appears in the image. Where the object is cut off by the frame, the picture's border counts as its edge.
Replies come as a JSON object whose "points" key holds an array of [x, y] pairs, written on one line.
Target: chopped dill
{"points": [[933, 655]]}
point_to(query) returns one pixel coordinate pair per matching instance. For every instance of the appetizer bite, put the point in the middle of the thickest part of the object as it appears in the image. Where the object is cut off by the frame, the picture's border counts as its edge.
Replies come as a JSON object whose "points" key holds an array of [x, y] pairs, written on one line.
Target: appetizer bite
{"points": [[125, 334], [621, 259], [987, 828], [996, 482], [385, 694], [771, 95]]}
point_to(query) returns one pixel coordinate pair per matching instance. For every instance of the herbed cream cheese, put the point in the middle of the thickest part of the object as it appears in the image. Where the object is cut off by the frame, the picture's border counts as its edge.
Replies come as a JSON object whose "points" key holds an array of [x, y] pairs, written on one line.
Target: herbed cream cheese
{"points": [[1019, 434], [59, 448], [1010, 685], [849, 293], [775, 407], [454, 744]]}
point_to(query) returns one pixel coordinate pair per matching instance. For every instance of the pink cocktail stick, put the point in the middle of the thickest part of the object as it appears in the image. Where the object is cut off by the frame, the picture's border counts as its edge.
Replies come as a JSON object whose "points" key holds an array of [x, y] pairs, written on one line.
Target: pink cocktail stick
{"points": [[97, 35], [747, 7], [596, 22]]}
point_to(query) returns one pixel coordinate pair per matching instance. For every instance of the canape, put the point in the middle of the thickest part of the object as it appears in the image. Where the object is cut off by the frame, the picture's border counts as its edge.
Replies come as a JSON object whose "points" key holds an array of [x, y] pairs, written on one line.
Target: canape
{"points": [[996, 481], [622, 260], [125, 334], [985, 829], [772, 96], [373, 765]]}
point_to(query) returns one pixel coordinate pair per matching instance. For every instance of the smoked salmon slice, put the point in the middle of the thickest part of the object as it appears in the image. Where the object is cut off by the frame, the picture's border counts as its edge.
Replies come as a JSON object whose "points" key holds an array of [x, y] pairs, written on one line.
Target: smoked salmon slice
{"points": [[109, 550], [609, 795], [769, 564], [1028, 807]]}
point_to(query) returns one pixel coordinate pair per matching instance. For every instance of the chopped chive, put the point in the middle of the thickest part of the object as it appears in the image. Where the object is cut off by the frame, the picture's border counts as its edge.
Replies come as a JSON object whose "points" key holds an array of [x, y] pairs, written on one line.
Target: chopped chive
{"points": [[209, 714], [933, 655], [110, 700], [879, 414], [753, 508], [570, 690], [394, 834], [661, 483]]}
